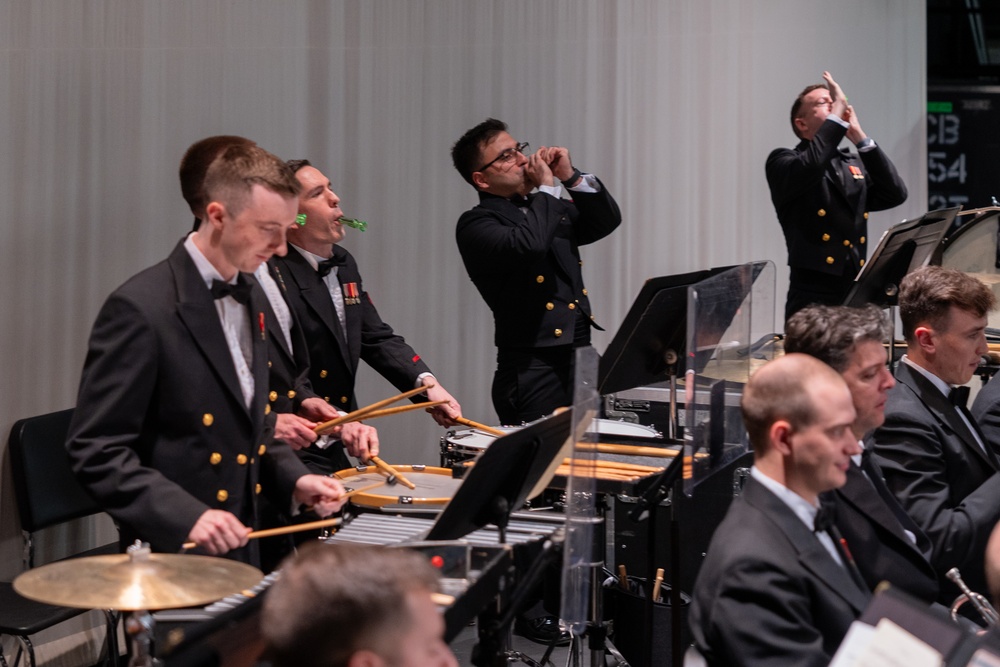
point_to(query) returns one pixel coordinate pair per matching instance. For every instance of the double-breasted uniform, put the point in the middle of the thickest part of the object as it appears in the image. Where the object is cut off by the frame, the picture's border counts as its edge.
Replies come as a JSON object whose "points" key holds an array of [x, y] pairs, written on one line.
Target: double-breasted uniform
{"points": [[524, 258], [161, 432], [333, 353], [822, 196]]}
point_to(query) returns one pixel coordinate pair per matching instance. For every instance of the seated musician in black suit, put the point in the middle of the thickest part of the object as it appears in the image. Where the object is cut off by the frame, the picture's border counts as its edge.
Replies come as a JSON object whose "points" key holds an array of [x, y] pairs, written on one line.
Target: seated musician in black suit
{"points": [[936, 461], [355, 606], [776, 588], [885, 541]]}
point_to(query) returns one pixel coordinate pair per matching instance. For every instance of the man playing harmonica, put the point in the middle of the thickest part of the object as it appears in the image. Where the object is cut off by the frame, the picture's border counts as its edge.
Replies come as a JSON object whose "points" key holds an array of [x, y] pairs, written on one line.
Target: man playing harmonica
{"points": [[340, 323], [522, 252]]}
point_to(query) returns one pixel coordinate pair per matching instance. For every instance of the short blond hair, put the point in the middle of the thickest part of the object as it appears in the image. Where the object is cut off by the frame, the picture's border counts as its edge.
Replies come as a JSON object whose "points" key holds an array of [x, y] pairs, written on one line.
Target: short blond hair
{"points": [[237, 168]]}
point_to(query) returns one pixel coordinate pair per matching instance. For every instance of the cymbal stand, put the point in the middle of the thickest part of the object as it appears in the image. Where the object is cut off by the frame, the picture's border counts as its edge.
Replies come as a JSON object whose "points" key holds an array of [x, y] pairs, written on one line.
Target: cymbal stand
{"points": [[139, 623], [139, 627]]}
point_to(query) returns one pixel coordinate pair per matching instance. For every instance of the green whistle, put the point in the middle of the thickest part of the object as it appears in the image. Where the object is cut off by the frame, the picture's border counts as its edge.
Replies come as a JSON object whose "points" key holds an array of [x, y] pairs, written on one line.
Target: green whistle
{"points": [[359, 225]]}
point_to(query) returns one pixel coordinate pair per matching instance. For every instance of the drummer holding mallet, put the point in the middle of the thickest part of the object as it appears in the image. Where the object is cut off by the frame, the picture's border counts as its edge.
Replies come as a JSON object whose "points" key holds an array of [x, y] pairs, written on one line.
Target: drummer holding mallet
{"points": [[169, 433], [324, 288]]}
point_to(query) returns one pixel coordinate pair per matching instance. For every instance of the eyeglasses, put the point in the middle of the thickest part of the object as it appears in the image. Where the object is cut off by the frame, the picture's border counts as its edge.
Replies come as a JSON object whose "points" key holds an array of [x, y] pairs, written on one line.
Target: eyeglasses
{"points": [[506, 156]]}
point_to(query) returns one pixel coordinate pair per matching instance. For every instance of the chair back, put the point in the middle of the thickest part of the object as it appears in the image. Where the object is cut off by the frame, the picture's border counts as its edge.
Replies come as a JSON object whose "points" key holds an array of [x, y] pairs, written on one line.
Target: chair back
{"points": [[47, 490]]}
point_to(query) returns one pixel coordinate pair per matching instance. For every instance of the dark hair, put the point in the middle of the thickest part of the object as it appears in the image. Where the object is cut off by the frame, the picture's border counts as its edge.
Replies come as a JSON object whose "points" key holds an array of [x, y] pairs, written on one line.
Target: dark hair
{"points": [[331, 601], [295, 165], [779, 390], [195, 163], [467, 153], [830, 333], [238, 167], [797, 104], [927, 294]]}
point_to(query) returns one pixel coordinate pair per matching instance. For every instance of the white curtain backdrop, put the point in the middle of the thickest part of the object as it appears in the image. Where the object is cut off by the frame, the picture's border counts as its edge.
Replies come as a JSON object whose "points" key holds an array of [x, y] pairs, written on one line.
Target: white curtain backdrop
{"points": [[675, 104]]}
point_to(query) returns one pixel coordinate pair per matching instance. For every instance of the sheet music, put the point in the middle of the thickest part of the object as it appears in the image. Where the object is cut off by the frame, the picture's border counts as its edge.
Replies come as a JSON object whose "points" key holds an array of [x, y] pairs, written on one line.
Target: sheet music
{"points": [[885, 645]]}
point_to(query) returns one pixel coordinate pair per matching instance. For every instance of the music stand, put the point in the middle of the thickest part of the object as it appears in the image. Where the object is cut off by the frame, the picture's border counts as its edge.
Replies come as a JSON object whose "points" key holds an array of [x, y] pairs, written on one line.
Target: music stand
{"points": [[652, 336], [650, 344], [503, 479], [902, 248]]}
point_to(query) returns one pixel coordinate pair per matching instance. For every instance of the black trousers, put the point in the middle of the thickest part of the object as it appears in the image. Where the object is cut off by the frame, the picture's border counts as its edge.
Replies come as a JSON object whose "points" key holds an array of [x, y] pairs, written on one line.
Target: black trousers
{"points": [[806, 288], [531, 383]]}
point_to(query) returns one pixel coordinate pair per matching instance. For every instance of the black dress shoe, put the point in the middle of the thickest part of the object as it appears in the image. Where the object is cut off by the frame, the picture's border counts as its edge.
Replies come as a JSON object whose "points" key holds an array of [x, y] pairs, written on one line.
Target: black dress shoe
{"points": [[542, 630]]}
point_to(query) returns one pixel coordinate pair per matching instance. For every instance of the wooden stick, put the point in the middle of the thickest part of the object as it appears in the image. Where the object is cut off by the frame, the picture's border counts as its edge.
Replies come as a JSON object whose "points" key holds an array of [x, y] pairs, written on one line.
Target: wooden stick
{"points": [[367, 487], [382, 465], [657, 583], [375, 414], [284, 530], [482, 427], [564, 471], [442, 599], [587, 471], [325, 427], [622, 577], [604, 463], [627, 450], [295, 528], [610, 468]]}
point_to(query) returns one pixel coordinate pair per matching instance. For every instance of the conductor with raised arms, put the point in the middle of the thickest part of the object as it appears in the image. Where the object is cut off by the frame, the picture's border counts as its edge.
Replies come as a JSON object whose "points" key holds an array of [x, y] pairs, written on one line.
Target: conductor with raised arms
{"points": [[822, 195]]}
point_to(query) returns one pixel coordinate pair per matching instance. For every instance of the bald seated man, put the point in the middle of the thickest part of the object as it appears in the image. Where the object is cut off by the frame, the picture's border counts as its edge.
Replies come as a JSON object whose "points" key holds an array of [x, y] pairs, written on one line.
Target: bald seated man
{"points": [[775, 588]]}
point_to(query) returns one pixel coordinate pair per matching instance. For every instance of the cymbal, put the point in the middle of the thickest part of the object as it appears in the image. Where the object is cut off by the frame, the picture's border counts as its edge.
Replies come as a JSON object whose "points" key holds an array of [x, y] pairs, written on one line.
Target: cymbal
{"points": [[161, 581]]}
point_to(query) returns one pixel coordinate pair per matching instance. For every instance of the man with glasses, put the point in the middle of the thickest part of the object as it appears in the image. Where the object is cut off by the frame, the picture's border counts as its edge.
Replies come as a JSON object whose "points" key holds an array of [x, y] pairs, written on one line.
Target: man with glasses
{"points": [[822, 195], [521, 250]]}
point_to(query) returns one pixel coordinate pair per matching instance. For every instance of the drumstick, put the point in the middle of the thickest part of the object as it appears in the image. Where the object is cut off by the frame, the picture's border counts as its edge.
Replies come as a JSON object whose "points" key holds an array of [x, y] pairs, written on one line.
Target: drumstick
{"points": [[284, 530], [656, 583], [626, 450], [622, 577], [584, 471], [482, 427], [608, 467], [324, 523], [565, 471], [603, 463], [375, 414], [392, 471], [322, 429], [442, 600]]}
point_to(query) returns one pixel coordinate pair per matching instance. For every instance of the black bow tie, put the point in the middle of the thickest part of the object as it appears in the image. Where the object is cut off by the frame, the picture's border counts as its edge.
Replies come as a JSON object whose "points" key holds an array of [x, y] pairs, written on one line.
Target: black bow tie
{"points": [[959, 396], [824, 517], [327, 265], [240, 291]]}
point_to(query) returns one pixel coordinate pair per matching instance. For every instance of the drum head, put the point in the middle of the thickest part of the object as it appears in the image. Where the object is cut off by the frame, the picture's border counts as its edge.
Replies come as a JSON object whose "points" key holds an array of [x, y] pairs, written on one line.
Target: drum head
{"points": [[435, 486]]}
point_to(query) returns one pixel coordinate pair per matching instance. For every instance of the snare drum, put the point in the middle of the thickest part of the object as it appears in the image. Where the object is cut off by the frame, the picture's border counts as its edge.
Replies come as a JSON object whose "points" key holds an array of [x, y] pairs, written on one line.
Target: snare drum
{"points": [[435, 486], [458, 446], [620, 429]]}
